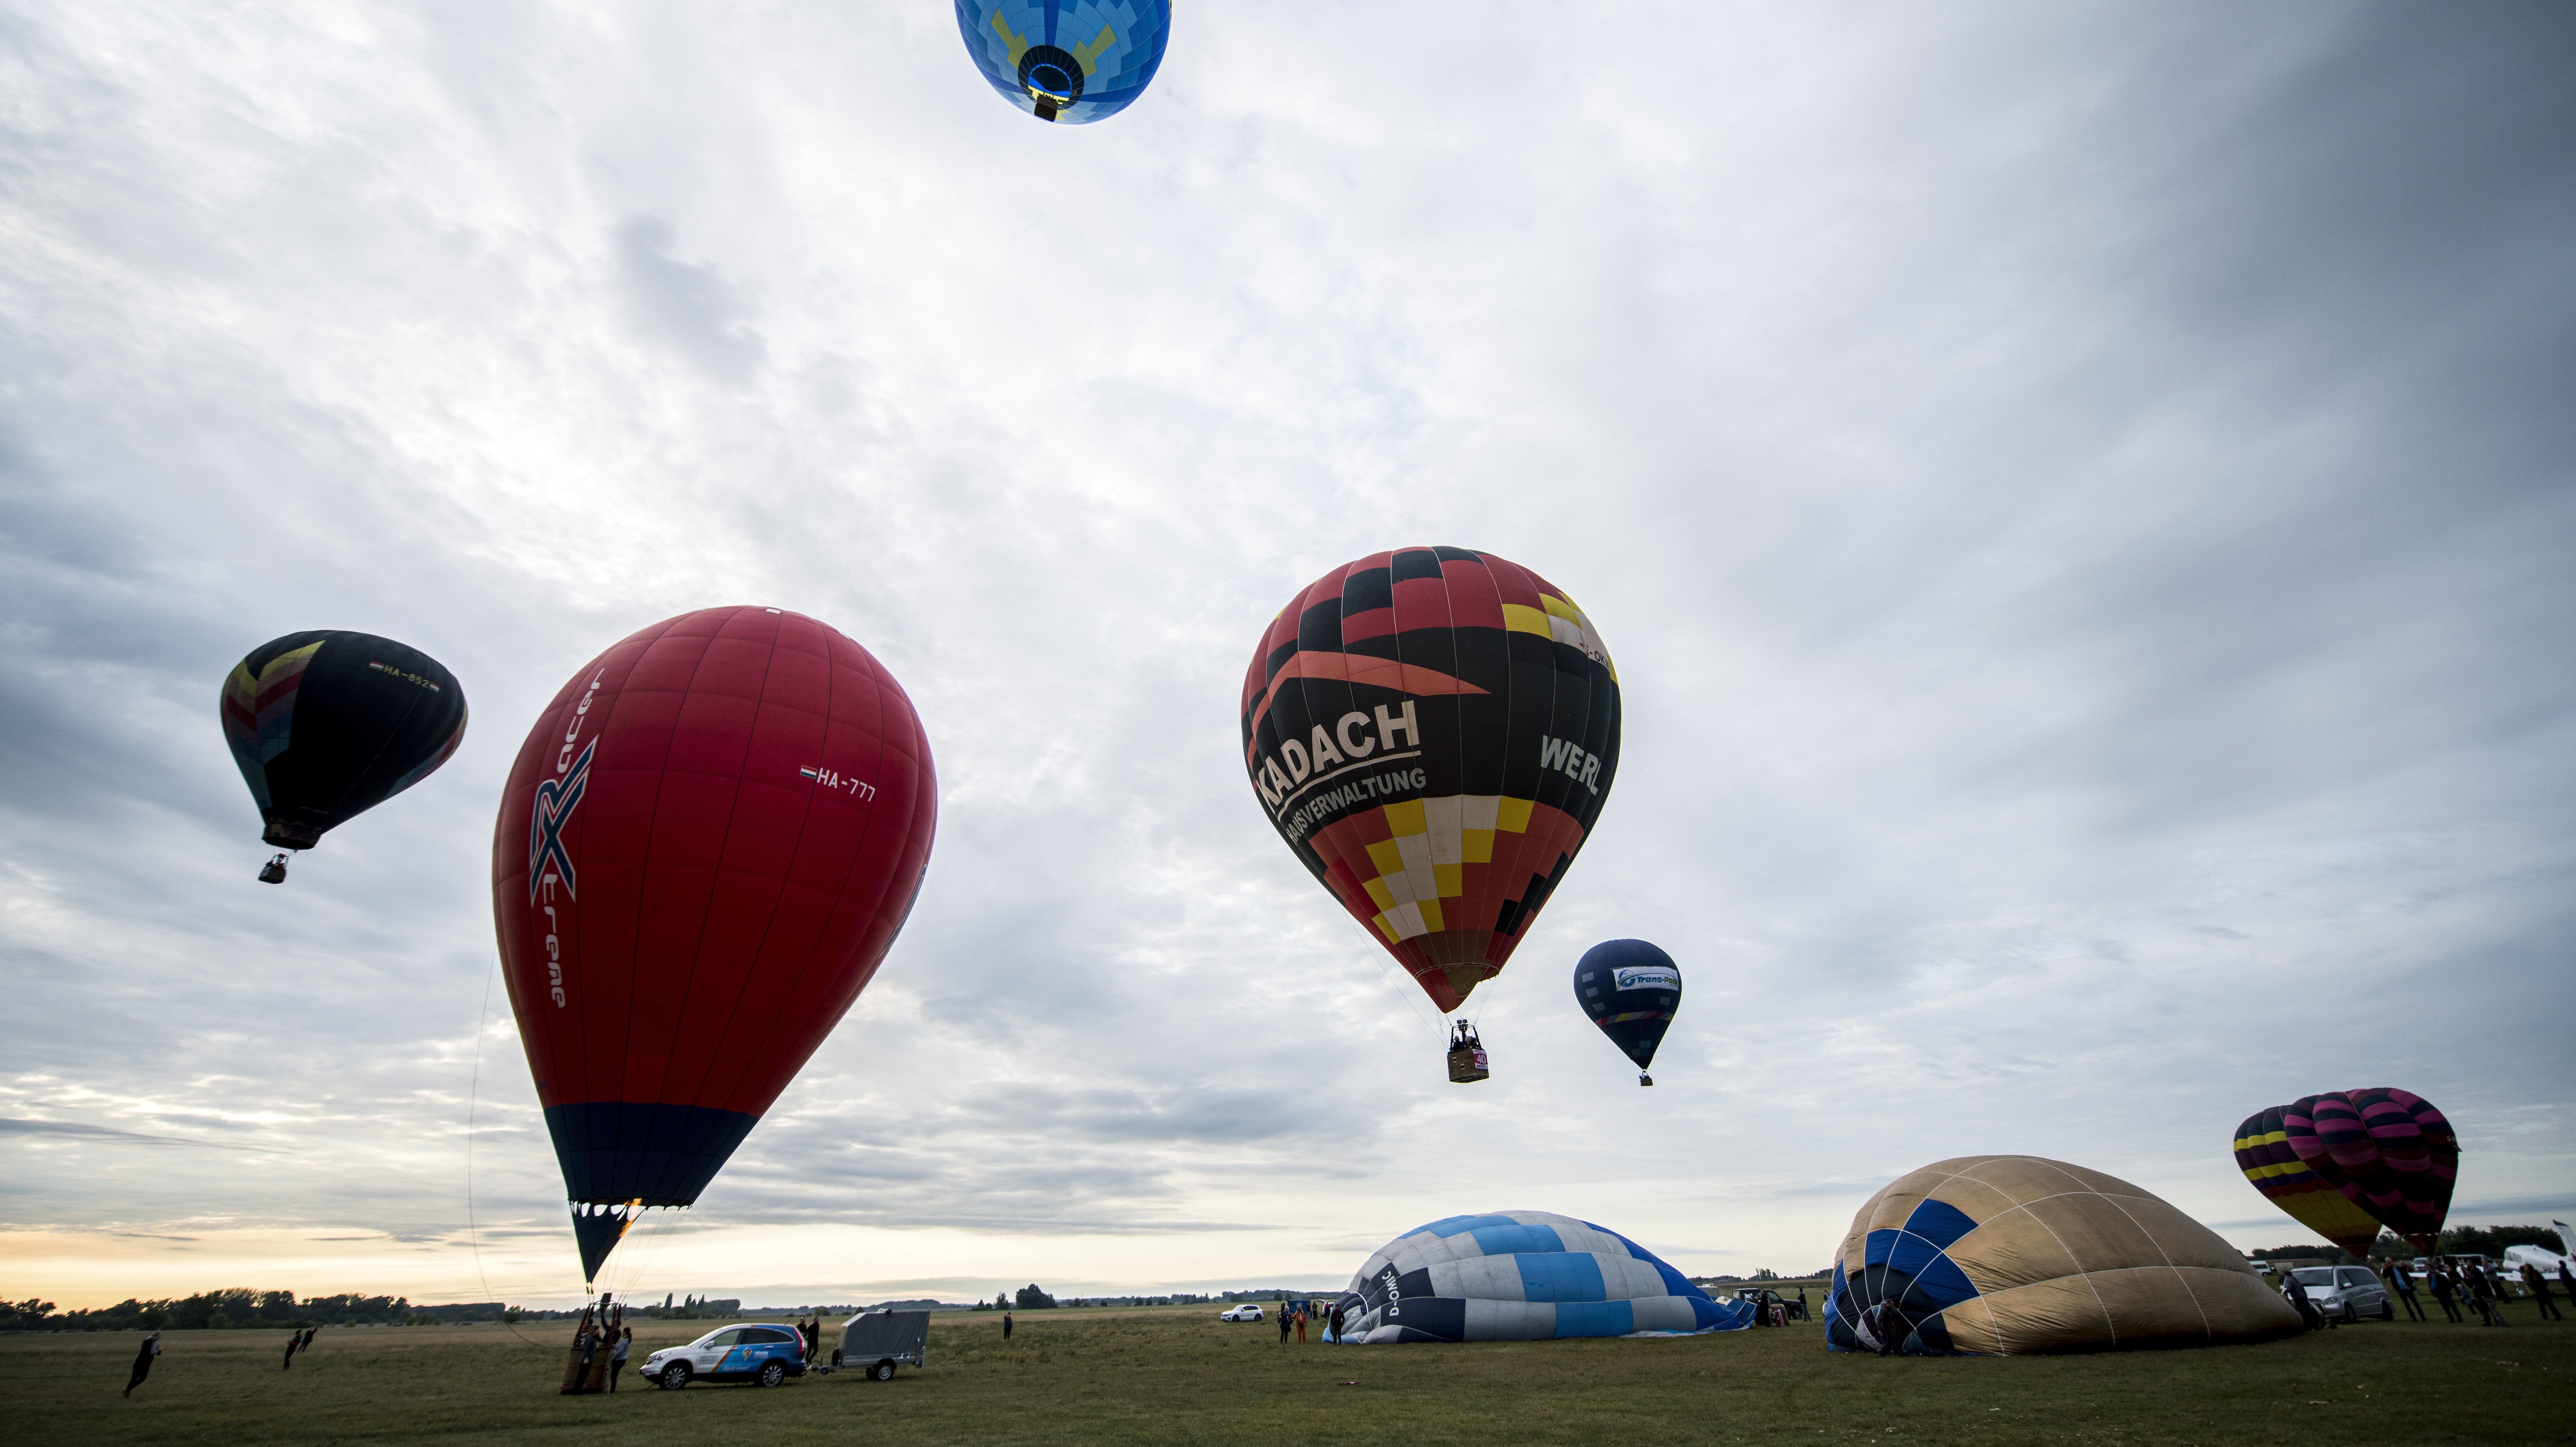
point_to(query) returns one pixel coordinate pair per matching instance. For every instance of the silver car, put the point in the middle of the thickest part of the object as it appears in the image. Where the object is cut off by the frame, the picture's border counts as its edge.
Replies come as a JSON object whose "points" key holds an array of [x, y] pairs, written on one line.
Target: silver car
{"points": [[2347, 1293]]}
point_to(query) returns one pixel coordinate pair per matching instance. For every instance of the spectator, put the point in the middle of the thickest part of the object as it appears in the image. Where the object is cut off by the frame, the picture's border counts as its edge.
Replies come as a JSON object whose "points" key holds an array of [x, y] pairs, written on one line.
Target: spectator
{"points": [[2539, 1285], [1301, 1326], [2298, 1295], [1283, 1323], [294, 1339], [2403, 1284], [617, 1355], [1006, 1327], [2444, 1290], [143, 1362], [1802, 1305], [2490, 1293]]}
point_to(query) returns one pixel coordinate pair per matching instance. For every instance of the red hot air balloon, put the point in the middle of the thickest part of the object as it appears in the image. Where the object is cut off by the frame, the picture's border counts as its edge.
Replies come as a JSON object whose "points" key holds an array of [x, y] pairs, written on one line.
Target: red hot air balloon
{"points": [[707, 845], [1433, 731]]}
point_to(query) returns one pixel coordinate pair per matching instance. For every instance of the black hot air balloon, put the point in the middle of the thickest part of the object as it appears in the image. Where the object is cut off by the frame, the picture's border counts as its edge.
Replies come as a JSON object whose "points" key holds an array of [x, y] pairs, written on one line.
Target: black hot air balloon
{"points": [[328, 724], [1631, 990]]}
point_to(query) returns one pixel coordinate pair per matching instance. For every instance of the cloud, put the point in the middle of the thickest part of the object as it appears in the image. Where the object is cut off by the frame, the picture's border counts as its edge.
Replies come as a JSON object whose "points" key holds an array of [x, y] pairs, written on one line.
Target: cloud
{"points": [[71, 1130], [690, 306]]}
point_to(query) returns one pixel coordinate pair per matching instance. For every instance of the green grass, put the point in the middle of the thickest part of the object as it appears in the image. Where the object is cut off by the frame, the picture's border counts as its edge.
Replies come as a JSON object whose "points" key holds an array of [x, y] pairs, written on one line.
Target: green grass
{"points": [[1178, 1375]]}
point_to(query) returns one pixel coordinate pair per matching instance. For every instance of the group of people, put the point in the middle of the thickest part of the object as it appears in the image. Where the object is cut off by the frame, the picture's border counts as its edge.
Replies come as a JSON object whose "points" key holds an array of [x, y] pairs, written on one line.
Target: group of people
{"points": [[810, 1333], [2452, 1282], [619, 1340], [297, 1343], [1293, 1318]]}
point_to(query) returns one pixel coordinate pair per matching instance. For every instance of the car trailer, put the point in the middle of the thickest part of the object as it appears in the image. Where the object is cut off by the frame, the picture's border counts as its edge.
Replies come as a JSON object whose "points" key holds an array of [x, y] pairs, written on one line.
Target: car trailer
{"points": [[874, 1343]]}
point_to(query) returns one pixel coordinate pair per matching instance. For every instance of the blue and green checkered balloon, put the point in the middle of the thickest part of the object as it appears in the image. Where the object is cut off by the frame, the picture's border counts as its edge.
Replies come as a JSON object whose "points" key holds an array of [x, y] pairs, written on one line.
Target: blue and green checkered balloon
{"points": [[1067, 60]]}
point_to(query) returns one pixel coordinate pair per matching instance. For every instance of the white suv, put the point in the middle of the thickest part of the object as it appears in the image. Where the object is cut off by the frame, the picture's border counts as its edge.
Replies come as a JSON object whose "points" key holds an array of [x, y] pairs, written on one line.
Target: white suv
{"points": [[1245, 1312], [761, 1355]]}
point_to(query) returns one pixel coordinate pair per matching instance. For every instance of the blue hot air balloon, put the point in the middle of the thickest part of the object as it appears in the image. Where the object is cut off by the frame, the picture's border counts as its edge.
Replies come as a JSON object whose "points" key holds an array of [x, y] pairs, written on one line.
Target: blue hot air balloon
{"points": [[1067, 60], [1631, 990]]}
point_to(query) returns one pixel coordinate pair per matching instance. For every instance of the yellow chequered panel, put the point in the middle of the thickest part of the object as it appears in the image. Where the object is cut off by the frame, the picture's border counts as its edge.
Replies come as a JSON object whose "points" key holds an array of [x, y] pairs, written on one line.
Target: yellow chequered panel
{"points": [[1424, 860], [1520, 618], [1387, 855]]}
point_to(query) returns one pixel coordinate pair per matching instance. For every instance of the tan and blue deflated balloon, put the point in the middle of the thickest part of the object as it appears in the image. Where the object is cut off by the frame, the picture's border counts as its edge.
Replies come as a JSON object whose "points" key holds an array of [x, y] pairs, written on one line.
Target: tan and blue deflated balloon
{"points": [[2012, 1255]]}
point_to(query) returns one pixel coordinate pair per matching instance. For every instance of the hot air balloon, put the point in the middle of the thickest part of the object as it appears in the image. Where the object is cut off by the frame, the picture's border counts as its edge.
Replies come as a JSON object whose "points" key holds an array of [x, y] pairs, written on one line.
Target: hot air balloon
{"points": [[1522, 1276], [328, 724], [2004, 1255], [1433, 732], [1073, 61], [1631, 990], [706, 846], [2347, 1163]]}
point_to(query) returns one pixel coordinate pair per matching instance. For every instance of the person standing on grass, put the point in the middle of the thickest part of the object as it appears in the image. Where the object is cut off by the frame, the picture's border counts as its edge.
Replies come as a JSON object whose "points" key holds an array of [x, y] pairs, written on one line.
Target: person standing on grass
{"points": [[294, 1339], [2491, 1286], [2567, 1281], [143, 1362], [617, 1355], [1283, 1323], [2404, 1285], [2309, 1316], [2475, 1290], [1006, 1326], [1301, 1326], [2539, 1285], [2440, 1282]]}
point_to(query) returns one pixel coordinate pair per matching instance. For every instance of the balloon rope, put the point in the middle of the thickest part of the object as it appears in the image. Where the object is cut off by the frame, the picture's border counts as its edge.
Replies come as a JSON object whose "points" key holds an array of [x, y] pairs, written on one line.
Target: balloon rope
{"points": [[473, 1093]]}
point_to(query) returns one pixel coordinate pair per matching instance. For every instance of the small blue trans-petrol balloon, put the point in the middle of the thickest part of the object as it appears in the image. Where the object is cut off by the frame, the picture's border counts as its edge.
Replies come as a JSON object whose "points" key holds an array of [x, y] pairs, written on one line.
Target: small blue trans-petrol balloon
{"points": [[1631, 990], [1067, 60]]}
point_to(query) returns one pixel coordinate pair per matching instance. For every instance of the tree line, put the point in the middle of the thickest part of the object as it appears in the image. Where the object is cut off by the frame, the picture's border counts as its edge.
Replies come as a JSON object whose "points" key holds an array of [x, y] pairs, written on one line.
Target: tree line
{"points": [[2487, 1241], [240, 1308]]}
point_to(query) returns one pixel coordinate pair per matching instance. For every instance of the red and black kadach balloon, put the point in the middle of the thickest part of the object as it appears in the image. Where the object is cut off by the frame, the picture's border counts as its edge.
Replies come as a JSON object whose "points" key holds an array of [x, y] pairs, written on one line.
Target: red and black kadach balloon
{"points": [[708, 843], [1434, 731]]}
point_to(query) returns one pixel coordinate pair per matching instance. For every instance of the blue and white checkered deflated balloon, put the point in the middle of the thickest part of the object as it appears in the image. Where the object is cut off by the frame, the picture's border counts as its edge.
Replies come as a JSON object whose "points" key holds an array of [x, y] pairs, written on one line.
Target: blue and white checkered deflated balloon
{"points": [[1522, 1276], [1067, 60]]}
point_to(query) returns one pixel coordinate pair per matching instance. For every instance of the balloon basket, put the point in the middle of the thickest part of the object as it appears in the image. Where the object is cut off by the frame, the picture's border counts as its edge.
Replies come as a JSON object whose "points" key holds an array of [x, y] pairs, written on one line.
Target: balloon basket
{"points": [[1467, 1062], [1644, 1079], [274, 871]]}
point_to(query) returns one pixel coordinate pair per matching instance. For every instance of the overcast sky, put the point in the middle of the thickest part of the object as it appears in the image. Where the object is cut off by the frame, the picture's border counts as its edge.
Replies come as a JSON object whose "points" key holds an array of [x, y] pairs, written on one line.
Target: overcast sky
{"points": [[2080, 497]]}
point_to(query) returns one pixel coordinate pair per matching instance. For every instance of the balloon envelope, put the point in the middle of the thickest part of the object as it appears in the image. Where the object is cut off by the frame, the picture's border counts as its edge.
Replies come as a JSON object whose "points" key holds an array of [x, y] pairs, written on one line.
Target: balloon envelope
{"points": [[328, 724], [1073, 61], [2265, 1155], [2003, 1255], [2347, 1163], [1433, 731], [706, 846], [1631, 990], [1522, 1276]]}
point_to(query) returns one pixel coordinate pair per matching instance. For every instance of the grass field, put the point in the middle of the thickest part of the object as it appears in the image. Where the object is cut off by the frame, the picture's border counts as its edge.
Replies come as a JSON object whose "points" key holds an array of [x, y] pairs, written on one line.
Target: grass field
{"points": [[1178, 1375]]}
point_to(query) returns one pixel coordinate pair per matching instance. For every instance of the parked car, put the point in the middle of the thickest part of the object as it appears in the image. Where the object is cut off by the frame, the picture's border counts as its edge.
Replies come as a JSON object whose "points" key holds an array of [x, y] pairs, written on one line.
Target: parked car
{"points": [[1763, 1298], [761, 1355], [2349, 1292], [1245, 1312]]}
